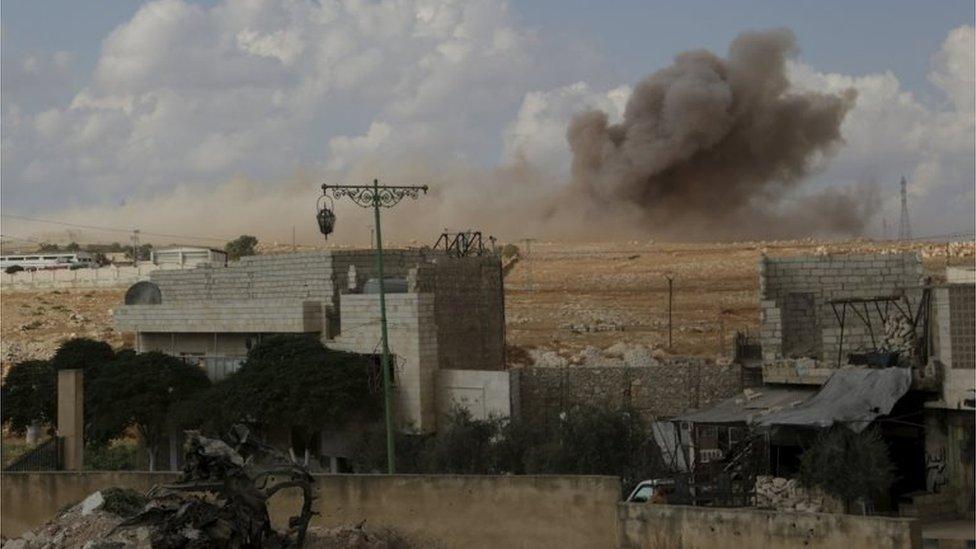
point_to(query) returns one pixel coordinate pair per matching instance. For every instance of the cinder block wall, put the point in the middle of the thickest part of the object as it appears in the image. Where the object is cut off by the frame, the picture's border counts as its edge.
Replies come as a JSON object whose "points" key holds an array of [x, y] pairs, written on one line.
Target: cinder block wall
{"points": [[413, 342], [954, 336], [320, 276], [655, 392], [469, 310], [789, 327]]}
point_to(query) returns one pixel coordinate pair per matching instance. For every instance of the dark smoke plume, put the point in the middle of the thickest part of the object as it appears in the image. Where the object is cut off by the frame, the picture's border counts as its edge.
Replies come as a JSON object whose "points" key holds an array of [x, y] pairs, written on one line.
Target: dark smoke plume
{"points": [[716, 147]]}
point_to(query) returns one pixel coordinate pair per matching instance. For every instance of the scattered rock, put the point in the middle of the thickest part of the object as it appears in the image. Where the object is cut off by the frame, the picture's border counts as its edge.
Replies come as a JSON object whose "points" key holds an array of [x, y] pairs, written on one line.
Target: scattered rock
{"points": [[91, 503]]}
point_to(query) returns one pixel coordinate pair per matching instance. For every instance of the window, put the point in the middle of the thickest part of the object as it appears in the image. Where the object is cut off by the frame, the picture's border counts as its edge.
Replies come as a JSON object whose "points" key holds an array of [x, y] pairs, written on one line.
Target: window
{"points": [[643, 494]]}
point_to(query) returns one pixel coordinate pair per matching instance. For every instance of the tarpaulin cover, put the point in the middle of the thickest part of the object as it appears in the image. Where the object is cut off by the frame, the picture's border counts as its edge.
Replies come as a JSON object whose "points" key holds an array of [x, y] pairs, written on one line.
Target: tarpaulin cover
{"points": [[854, 397], [666, 436]]}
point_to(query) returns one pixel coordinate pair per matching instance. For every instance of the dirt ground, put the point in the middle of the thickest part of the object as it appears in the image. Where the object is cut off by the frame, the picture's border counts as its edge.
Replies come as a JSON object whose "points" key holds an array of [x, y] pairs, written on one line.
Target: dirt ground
{"points": [[559, 296], [567, 296], [34, 323]]}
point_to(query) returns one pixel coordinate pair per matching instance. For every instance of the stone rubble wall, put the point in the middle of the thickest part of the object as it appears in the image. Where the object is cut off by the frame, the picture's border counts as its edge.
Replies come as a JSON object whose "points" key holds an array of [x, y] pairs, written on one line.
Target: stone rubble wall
{"points": [[787, 495], [108, 276], [666, 388]]}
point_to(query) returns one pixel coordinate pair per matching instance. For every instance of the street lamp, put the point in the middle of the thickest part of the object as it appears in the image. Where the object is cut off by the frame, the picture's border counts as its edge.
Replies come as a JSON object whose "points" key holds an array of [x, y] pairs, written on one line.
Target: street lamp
{"points": [[377, 196]]}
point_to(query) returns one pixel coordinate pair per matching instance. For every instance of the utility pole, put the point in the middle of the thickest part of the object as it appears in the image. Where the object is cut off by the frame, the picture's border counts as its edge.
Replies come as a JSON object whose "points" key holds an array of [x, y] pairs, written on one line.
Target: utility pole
{"points": [[293, 247], [904, 225], [670, 295], [528, 264], [376, 196], [135, 247]]}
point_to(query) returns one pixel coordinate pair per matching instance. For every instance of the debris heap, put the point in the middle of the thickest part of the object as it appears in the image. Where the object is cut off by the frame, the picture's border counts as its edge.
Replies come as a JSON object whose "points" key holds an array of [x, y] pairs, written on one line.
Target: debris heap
{"points": [[783, 494], [220, 500]]}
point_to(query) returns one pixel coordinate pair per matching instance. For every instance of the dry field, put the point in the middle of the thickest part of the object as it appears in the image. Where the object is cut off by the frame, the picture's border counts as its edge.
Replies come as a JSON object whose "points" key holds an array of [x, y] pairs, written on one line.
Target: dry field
{"points": [[567, 296], [560, 296]]}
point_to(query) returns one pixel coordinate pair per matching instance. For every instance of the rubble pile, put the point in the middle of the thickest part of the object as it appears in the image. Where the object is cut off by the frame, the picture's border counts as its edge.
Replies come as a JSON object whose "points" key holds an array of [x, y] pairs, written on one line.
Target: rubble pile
{"points": [[621, 354], [899, 336], [358, 537], [783, 494], [220, 500]]}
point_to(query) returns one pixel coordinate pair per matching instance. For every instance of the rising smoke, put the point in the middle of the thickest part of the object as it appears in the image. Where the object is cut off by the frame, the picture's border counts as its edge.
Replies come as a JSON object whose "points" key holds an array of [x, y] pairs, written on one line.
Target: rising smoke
{"points": [[708, 148], [713, 147]]}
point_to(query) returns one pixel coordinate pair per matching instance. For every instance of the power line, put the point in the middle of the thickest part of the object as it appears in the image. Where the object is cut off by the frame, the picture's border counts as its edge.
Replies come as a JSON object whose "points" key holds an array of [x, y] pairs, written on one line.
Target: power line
{"points": [[904, 225], [115, 229]]}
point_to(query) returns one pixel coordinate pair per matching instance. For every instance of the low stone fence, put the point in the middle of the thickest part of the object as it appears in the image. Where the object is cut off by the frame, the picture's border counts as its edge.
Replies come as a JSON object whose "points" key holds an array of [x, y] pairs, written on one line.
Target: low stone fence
{"points": [[495, 511], [664, 389], [677, 527], [108, 276], [430, 511]]}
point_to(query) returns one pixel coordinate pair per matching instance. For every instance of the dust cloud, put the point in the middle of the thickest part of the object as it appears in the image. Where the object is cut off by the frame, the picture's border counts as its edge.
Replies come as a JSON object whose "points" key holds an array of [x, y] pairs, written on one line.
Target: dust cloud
{"points": [[709, 148], [713, 147]]}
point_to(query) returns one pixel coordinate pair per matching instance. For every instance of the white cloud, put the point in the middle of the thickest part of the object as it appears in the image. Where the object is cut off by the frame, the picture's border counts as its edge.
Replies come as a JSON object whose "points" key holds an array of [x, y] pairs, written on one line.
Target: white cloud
{"points": [[538, 133], [185, 93], [186, 97], [890, 133], [955, 68], [344, 151]]}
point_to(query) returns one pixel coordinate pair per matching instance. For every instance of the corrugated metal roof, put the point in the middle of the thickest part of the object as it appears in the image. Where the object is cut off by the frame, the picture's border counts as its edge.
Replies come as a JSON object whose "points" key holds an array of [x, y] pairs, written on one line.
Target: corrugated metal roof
{"points": [[750, 405], [854, 397]]}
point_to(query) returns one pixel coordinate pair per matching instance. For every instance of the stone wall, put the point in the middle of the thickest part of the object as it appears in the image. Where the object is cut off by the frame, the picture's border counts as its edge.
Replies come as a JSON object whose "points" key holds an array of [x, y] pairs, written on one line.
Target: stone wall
{"points": [[797, 320], [242, 316], [431, 511], [541, 394], [680, 527], [102, 277], [413, 342], [496, 511]]}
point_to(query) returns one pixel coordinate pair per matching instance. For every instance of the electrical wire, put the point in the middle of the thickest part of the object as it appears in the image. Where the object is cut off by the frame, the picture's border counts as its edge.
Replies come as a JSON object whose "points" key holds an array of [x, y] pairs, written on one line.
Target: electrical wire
{"points": [[115, 229]]}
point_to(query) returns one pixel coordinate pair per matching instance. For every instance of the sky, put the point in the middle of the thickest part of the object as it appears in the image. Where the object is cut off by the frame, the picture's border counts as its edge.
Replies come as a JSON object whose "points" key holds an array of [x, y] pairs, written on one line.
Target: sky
{"points": [[209, 115]]}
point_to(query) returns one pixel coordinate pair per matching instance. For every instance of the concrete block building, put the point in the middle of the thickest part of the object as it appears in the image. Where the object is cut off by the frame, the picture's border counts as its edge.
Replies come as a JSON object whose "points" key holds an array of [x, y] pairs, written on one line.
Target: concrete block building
{"points": [[445, 314], [798, 320], [804, 344], [186, 257]]}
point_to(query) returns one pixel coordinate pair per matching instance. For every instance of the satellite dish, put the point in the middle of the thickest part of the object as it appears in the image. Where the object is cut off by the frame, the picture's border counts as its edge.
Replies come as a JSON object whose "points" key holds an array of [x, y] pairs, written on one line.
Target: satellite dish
{"points": [[143, 293]]}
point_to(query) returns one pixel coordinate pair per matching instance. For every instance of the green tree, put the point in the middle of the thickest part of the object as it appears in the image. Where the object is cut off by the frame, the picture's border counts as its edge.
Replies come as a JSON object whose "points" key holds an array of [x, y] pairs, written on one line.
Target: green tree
{"points": [[591, 440], [28, 395], [463, 445], [241, 246], [509, 250], [48, 247], [141, 391], [82, 353], [293, 381], [848, 465], [73, 247]]}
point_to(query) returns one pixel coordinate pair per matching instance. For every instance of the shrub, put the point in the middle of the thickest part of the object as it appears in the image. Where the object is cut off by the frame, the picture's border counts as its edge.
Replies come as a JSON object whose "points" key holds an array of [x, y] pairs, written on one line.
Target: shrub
{"points": [[241, 246], [119, 456], [28, 394], [293, 380], [509, 250], [463, 446], [848, 465], [82, 353]]}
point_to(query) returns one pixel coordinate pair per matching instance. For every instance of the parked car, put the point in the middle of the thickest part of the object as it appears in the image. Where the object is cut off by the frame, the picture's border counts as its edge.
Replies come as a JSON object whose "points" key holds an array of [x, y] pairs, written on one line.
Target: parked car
{"points": [[652, 491]]}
